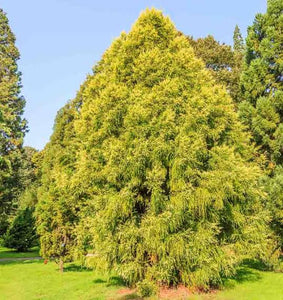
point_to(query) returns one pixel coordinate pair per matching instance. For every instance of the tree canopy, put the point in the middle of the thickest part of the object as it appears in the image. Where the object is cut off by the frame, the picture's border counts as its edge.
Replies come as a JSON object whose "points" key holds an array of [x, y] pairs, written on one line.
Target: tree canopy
{"points": [[166, 187], [224, 62], [166, 166]]}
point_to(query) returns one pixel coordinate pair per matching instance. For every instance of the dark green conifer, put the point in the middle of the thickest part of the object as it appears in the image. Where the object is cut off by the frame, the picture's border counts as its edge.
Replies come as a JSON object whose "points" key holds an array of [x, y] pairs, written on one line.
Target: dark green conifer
{"points": [[238, 41], [262, 110], [12, 124], [21, 234]]}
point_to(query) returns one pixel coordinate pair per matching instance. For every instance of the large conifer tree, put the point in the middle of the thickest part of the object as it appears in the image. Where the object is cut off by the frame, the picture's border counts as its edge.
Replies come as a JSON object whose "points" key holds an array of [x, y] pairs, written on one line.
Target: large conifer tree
{"points": [[12, 125], [262, 110], [172, 191]]}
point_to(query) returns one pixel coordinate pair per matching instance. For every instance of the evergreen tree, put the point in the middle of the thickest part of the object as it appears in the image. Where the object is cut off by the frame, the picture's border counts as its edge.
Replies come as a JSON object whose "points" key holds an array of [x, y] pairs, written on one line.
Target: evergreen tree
{"points": [[262, 110], [30, 172], [224, 63], [58, 203], [274, 187], [21, 235], [172, 192], [263, 76], [28, 169], [238, 45], [12, 125]]}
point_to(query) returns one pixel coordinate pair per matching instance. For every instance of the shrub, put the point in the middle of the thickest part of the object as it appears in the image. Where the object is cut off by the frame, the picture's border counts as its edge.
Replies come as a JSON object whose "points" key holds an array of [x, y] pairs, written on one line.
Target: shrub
{"points": [[21, 234], [146, 288]]}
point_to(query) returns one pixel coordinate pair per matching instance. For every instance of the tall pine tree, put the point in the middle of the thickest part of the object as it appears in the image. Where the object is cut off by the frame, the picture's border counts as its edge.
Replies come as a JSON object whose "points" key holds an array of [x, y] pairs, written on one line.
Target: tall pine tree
{"points": [[12, 124], [262, 110]]}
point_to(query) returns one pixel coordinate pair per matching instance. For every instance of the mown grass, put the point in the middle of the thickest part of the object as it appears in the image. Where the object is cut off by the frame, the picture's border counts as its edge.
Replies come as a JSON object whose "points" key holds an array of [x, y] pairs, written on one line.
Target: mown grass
{"points": [[11, 253], [35, 280], [252, 284]]}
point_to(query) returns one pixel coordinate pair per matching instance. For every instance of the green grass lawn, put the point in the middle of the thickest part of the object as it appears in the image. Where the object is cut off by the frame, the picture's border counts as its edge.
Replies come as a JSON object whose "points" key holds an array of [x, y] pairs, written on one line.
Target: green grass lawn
{"points": [[35, 280], [11, 253], [251, 284]]}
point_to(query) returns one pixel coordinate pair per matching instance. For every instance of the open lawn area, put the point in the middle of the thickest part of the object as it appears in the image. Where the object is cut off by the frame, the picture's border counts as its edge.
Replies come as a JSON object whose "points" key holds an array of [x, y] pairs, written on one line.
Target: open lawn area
{"points": [[251, 284], [35, 280], [11, 253]]}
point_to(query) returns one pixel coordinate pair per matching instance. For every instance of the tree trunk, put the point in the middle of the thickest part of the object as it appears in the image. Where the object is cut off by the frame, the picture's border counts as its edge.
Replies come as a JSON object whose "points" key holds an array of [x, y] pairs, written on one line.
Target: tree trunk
{"points": [[61, 265]]}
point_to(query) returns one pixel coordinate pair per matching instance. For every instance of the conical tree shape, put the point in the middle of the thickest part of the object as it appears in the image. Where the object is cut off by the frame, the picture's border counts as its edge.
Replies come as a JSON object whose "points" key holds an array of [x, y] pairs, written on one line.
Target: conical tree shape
{"points": [[262, 110], [12, 124], [263, 76], [173, 195], [238, 41], [57, 210]]}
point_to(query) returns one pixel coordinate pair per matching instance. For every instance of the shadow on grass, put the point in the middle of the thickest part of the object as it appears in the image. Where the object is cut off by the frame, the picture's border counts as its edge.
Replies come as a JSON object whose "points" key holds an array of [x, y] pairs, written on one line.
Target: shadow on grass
{"points": [[115, 281], [243, 274], [99, 280], [256, 264], [21, 262], [76, 268], [12, 253], [112, 281], [11, 262]]}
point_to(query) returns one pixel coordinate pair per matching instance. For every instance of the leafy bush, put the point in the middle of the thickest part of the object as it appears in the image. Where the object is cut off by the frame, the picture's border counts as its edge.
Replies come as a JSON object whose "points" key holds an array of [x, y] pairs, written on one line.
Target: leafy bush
{"points": [[146, 288]]}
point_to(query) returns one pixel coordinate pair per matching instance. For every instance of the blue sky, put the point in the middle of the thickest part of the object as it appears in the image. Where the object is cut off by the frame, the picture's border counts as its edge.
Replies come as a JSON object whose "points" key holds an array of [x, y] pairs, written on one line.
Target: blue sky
{"points": [[61, 40]]}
